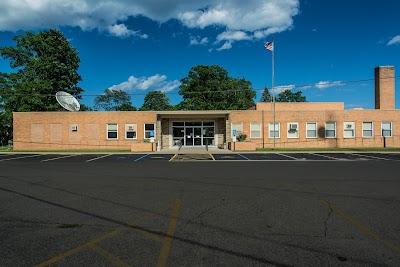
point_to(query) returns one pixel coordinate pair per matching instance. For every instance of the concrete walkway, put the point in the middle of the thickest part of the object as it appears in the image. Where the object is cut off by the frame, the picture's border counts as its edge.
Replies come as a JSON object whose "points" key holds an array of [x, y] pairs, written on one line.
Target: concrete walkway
{"points": [[194, 150]]}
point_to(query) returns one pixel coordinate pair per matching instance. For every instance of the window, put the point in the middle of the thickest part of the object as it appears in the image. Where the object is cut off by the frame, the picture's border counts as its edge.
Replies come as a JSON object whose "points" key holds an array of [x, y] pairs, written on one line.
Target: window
{"points": [[148, 128], [330, 129], [255, 130], [386, 129], [274, 131], [311, 129], [293, 130], [238, 126], [130, 131], [112, 131], [368, 129], [349, 130]]}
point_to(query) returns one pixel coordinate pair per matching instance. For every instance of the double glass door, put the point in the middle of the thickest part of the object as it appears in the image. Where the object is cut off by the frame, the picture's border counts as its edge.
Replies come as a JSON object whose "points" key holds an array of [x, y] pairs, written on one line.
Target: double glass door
{"points": [[193, 136]]}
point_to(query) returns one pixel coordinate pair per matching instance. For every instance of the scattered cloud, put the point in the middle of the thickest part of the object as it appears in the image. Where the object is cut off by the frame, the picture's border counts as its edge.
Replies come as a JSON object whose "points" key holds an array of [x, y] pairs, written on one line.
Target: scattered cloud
{"points": [[279, 89], [120, 30], [156, 82], [198, 40], [394, 40], [325, 84], [226, 45], [238, 20]]}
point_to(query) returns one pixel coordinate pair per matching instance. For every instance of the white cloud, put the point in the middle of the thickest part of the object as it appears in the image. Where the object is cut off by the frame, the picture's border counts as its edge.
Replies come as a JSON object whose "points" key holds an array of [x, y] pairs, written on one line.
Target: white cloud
{"points": [[120, 30], [198, 40], [326, 84], [394, 40], [155, 82], [255, 18], [225, 46], [233, 36], [279, 89]]}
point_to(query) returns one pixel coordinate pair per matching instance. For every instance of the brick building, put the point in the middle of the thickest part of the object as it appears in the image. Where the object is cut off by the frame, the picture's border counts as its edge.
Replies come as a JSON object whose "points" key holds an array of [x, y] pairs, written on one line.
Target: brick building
{"points": [[297, 125]]}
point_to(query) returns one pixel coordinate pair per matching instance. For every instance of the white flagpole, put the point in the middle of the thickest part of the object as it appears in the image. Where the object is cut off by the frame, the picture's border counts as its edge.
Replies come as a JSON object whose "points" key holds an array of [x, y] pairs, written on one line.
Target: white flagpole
{"points": [[273, 92]]}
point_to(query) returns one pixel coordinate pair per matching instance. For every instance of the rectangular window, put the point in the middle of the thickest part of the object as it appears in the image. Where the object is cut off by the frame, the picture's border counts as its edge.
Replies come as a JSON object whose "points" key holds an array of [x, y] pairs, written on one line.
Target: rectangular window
{"points": [[148, 129], [255, 130], [349, 130], [238, 126], [130, 131], [293, 130], [386, 129], [311, 129], [274, 131], [330, 129], [368, 129], [112, 131]]}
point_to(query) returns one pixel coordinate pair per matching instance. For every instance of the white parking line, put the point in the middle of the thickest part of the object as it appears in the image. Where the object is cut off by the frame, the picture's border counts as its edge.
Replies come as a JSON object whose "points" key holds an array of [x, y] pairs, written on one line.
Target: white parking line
{"points": [[325, 156], [287, 156], [59, 158], [20, 157], [98, 158], [372, 157]]}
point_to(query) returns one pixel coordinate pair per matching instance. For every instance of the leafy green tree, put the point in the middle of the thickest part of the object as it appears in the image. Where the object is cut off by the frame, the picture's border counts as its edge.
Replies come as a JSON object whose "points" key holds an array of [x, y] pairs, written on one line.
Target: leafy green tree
{"points": [[266, 96], [289, 96], [210, 88], [114, 100], [156, 100], [44, 63]]}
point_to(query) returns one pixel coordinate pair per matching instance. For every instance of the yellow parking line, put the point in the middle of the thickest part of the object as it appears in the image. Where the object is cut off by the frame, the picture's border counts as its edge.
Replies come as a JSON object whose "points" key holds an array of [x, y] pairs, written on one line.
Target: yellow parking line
{"points": [[114, 259], [148, 235], [162, 260], [30, 156], [361, 227], [101, 238], [173, 157], [212, 156]]}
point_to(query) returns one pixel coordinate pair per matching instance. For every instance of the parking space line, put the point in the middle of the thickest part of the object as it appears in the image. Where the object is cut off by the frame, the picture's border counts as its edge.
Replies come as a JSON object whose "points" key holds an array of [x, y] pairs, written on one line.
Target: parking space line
{"points": [[324, 156], [173, 157], [244, 157], [114, 259], [368, 156], [89, 244], [141, 157], [361, 226], [162, 260], [59, 158], [287, 156], [30, 156], [98, 158], [212, 156]]}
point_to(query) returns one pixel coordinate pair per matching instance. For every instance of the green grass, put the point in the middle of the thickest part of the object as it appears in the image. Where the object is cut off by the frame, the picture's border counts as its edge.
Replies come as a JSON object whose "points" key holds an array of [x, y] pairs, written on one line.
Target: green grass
{"points": [[6, 148], [359, 149]]}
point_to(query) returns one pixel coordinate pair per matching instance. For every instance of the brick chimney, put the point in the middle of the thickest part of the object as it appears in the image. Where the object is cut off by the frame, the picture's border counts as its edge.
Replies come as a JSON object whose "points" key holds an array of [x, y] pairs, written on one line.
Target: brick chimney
{"points": [[384, 87]]}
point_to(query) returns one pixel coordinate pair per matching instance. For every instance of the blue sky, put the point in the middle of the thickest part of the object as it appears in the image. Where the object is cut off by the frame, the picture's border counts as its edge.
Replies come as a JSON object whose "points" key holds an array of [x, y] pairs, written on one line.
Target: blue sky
{"points": [[321, 47]]}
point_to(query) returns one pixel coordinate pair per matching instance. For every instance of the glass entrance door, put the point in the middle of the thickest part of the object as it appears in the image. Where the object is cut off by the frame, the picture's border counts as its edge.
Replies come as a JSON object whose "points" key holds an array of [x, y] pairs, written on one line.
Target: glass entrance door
{"points": [[189, 136], [193, 136]]}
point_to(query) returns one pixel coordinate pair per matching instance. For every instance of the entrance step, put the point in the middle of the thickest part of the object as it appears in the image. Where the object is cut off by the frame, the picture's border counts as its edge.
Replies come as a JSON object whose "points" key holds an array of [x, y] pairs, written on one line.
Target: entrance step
{"points": [[192, 157]]}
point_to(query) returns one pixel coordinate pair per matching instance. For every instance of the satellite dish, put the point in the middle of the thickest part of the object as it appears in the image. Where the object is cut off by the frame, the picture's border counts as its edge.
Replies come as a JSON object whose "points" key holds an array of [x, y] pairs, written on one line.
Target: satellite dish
{"points": [[67, 101]]}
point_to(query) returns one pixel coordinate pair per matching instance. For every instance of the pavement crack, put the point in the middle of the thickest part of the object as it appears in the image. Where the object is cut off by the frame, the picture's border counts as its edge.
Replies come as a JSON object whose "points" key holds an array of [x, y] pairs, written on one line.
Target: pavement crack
{"points": [[326, 220]]}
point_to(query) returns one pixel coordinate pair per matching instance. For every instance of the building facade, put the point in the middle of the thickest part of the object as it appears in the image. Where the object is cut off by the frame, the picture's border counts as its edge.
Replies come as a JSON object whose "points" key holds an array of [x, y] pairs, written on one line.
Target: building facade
{"points": [[267, 125]]}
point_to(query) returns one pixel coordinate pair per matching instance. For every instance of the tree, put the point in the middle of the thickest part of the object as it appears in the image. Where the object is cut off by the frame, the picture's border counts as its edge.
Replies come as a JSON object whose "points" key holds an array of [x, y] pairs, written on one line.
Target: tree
{"points": [[156, 100], [44, 63], [289, 96], [266, 96], [113, 100], [210, 88]]}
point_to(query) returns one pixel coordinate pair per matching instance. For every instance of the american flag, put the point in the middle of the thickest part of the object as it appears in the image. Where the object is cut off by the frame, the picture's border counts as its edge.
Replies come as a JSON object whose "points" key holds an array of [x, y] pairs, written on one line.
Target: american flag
{"points": [[269, 46]]}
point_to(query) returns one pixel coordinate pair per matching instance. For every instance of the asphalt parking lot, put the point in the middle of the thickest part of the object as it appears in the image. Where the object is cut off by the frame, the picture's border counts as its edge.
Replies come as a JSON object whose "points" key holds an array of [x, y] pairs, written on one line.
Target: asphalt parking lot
{"points": [[239, 209], [316, 156]]}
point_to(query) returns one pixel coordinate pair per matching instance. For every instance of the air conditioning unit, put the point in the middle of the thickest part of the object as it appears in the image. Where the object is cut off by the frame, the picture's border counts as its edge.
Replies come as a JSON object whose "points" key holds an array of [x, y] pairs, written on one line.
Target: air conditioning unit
{"points": [[74, 128], [293, 126], [349, 126], [130, 128]]}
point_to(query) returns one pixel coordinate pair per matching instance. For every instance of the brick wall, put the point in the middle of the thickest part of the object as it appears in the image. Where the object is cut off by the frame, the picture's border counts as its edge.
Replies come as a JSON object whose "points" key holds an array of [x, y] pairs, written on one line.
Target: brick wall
{"points": [[384, 88]]}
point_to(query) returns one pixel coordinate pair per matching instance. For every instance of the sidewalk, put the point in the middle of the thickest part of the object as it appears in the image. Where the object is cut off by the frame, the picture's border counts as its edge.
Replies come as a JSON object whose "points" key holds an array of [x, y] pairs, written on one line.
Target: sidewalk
{"points": [[194, 150]]}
